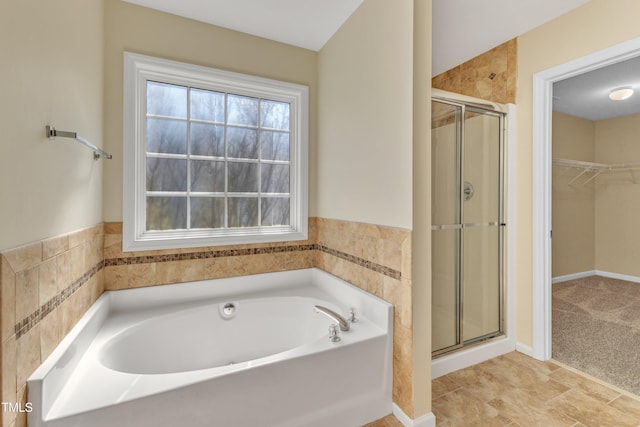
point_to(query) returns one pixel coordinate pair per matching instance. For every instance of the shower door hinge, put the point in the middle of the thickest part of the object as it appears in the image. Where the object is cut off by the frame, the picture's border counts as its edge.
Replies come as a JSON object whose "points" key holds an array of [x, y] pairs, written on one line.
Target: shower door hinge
{"points": [[551, 234]]}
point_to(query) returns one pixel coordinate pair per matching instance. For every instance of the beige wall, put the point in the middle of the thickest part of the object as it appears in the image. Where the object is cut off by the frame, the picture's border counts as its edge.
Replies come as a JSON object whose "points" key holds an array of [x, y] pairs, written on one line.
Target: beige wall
{"points": [[573, 206], [374, 157], [364, 139], [365, 115], [52, 74], [52, 68], [149, 32], [617, 198], [595, 226], [595, 26], [421, 238]]}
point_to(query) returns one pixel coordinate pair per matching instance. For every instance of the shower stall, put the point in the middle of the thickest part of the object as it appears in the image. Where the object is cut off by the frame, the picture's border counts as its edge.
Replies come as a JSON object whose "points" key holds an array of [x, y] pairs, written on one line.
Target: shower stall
{"points": [[467, 221]]}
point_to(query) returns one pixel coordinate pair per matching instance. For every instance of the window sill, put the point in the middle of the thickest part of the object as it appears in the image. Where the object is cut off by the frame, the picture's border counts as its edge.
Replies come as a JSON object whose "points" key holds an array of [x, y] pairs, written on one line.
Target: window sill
{"points": [[166, 240]]}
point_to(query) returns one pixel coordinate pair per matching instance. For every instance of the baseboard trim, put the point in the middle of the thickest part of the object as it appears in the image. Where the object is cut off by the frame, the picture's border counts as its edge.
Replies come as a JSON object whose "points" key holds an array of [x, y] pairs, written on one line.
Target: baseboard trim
{"points": [[427, 420], [602, 273], [573, 276], [524, 349], [610, 275], [471, 356]]}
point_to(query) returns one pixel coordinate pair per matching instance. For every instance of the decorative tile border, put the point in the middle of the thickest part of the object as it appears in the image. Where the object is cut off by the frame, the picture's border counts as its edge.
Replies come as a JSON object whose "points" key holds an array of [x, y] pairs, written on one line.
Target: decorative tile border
{"points": [[191, 256], [24, 325], [394, 274]]}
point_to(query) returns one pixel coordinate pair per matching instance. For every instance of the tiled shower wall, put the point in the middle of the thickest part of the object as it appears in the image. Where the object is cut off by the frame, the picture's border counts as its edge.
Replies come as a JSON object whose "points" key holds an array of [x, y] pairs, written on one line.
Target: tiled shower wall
{"points": [[491, 75], [49, 285]]}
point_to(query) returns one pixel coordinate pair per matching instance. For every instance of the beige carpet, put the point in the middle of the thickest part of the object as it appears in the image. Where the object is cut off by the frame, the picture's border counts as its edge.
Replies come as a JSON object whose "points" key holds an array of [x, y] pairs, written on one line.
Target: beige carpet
{"points": [[596, 329]]}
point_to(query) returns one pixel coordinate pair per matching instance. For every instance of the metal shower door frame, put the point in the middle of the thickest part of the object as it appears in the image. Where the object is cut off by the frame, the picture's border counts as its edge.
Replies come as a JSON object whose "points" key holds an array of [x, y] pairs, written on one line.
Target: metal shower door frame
{"points": [[499, 112]]}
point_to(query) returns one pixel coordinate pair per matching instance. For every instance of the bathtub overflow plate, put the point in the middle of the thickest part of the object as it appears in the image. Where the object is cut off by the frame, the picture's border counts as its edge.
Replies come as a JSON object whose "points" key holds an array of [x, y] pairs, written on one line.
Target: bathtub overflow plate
{"points": [[228, 310]]}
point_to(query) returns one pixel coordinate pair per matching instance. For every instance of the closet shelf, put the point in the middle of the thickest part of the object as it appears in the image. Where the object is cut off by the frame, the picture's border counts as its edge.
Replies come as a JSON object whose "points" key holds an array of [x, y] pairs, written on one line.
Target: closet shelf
{"points": [[592, 170]]}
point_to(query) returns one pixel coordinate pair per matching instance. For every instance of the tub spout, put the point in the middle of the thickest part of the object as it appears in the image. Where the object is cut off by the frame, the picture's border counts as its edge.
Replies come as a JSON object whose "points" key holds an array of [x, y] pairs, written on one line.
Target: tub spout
{"points": [[344, 325]]}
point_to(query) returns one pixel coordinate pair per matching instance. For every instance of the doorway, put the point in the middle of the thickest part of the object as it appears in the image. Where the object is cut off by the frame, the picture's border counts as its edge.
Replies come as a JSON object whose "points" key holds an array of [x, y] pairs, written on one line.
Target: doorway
{"points": [[542, 164]]}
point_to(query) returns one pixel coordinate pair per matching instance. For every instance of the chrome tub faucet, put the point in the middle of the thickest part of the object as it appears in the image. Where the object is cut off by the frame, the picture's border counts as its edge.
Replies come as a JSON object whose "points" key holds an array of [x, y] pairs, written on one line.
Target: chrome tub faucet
{"points": [[344, 324]]}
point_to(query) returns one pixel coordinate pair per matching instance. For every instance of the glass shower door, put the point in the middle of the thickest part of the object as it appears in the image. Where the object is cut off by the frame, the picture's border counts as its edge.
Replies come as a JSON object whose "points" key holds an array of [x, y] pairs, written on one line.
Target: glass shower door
{"points": [[446, 226], [482, 190], [466, 225]]}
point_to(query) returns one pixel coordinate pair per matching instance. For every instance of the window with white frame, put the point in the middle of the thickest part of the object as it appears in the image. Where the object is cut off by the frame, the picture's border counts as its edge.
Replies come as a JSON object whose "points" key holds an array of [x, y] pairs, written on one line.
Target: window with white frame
{"points": [[211, 157]]}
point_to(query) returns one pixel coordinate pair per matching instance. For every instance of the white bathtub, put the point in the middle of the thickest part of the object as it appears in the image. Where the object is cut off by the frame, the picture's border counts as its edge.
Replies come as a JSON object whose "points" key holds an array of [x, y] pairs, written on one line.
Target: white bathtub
{"points": [[168, 356]]}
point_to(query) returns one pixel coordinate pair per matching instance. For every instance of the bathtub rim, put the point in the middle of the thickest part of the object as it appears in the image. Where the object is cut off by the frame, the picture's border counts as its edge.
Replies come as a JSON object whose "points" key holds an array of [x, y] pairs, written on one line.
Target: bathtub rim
{"points": [[48, 380]]}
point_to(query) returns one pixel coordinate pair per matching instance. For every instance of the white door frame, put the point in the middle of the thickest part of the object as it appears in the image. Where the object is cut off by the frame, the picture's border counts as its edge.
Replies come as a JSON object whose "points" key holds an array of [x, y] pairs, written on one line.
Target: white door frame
{"points": [[542, 127]]}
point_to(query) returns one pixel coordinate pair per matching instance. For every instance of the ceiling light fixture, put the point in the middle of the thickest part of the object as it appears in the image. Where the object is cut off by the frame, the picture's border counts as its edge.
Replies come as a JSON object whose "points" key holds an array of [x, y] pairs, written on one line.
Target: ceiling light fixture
{"points": [[620, 93]]}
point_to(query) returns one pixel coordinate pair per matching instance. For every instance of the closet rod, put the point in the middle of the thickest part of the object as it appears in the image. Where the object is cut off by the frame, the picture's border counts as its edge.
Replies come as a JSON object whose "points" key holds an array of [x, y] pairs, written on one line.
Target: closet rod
{"points": [[98, 153]]}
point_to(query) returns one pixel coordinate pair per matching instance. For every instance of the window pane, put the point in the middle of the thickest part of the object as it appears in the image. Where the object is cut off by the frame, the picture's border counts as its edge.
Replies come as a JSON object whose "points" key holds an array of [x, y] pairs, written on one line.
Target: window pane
{"points": [[243, 143], [207, 140], [274, 114], [243, 211], [274, 145], [207, 212], [166, 99], [166, 213], [243, 177], [275, 178], [207, 176], [200, 143], [242, 110], [166, 175], [207, 105], [166, 136], [275, 211]]}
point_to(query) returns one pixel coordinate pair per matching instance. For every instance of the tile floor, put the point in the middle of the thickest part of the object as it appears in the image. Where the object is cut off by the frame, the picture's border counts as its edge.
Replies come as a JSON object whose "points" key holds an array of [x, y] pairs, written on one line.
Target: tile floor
{"points": [[388, 421], [516, 390]]}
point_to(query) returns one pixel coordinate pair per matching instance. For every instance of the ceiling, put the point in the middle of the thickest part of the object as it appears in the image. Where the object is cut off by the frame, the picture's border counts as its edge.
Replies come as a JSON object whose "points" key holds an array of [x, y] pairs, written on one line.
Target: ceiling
{"points": [[587, 95], [462, 29], [303, 23]]}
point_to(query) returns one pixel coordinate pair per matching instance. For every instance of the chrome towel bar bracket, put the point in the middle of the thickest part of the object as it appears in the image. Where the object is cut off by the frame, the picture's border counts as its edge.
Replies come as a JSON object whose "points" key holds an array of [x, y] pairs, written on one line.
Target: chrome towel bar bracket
{"points": [[98, 153]]}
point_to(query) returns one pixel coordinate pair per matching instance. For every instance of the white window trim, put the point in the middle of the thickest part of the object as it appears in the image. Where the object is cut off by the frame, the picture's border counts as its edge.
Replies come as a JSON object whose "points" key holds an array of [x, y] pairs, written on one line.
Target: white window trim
{"points": [[140, 68]]}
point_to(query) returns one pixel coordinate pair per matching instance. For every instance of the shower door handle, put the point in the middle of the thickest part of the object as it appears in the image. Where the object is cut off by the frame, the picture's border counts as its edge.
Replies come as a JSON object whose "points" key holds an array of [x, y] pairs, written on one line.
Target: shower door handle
{"points": [[447, 227], [481, 224], [468, 225]]}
